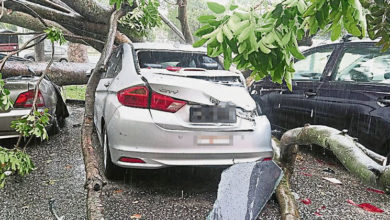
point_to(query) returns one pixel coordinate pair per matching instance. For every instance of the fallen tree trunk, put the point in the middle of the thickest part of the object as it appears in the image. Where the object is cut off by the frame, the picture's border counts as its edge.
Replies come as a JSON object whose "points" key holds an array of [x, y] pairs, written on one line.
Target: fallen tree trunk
{"points": [[350, 153], [94, 181], [60, 73]]}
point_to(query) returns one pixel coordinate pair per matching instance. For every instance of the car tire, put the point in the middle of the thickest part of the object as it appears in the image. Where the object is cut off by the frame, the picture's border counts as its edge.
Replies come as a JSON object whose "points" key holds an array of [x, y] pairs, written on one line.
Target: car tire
{"points": [[54, 128], [30, 58], [63, 60], [110, 170]]}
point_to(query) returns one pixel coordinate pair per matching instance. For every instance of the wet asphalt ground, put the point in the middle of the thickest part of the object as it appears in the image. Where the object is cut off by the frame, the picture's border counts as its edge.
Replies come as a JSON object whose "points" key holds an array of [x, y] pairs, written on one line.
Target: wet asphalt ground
{"points": [[59, 175], [171, 193]]}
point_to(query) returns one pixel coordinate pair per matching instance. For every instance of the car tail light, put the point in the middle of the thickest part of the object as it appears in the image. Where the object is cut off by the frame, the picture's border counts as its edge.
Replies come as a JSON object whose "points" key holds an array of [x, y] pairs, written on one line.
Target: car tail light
{"points": [[173, 68], [165, 103], [131, 160], [138, 96], [267, 159], [26, 100], [134, 97]]}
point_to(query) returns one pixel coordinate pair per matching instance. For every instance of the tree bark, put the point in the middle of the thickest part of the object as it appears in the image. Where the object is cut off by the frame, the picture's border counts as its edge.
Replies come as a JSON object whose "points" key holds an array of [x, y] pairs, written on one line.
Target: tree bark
{"points": [[344, 147], [77, 53], [60, 73], [39, 51], [94, 181], [182, 17]]}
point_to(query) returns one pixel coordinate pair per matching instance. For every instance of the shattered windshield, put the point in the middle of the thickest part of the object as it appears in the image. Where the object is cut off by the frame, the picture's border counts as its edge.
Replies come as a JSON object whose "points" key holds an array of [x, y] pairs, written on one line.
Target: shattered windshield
{"points": [[169, 59]]}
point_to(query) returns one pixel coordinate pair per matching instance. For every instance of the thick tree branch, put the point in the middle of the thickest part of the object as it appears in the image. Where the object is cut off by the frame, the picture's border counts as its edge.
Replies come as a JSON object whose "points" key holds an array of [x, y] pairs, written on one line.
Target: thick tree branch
{"points": [[182, 16], [61, 74], [92, 10], [27, 21], [94, 181], [69, 20], [54, 4], [173, 27]]}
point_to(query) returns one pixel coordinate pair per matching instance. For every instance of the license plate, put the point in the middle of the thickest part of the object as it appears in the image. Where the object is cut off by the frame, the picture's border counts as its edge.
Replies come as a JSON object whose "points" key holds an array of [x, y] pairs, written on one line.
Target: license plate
{"points": [[213, 114], [214, 140]]}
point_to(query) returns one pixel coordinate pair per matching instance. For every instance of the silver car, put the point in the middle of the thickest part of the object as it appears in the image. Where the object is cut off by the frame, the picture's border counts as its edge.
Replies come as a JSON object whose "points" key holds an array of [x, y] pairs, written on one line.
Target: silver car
{"points": [[161, 105], [22, 95]]}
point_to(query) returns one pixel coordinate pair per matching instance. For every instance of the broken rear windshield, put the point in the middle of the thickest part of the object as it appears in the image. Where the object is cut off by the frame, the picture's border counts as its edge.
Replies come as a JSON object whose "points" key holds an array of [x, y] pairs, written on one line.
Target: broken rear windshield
{"points": [[166, 59]]}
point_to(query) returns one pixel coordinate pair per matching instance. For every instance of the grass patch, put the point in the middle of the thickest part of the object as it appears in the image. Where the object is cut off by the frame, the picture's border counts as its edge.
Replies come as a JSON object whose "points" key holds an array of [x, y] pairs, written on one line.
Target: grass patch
{"points": [[75, 92]]}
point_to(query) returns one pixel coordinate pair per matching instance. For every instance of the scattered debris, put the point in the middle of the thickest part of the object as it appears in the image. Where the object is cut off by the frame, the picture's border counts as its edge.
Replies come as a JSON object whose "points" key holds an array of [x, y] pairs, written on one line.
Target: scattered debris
{"points": [[306, 201], [136, 216], [296, 196], [76, 125], [135, 202], [366, 206], [317, 213], [328, 170], [68, 167], [332, 180], [306, 174], [376, 190], [118, 191], [250, 186], [54, 211]]}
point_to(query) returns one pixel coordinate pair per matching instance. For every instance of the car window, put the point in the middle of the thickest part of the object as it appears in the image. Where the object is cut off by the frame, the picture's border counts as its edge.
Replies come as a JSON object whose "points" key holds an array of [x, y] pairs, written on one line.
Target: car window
{"points": [[364, 65], [166, 59], [312, 67], [114, 64]]}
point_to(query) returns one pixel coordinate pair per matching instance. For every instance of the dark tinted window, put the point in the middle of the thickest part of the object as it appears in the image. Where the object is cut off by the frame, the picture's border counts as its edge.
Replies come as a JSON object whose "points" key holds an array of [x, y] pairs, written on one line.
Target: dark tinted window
{"points": [[114, 64], [364, 65], [162, 60], [312, 67]]}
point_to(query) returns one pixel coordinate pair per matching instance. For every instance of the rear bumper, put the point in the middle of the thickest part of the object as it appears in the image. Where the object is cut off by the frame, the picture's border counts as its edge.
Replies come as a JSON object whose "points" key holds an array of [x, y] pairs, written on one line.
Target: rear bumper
{"points": [[132, 133], [7, 117], [5, 122]]}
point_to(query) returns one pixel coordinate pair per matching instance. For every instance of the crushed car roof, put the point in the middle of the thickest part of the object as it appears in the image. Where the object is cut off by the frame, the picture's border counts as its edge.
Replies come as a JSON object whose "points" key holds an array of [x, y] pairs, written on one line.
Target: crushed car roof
{"points": [[168, 46]]}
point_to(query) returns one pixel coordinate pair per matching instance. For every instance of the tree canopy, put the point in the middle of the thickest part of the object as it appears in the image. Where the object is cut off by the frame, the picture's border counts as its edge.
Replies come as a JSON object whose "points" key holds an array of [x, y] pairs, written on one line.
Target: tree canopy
{"points": [[265, 40]]}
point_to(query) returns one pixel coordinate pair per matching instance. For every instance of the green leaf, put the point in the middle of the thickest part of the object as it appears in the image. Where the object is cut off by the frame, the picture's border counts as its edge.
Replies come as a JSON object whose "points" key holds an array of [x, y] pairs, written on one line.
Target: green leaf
{"points": [[228, 33], [204, 30], [336, 32], [206, 18], [245, 33], [233, 7], [263, 48], [220, 36], [286, 38], [216, 7]]}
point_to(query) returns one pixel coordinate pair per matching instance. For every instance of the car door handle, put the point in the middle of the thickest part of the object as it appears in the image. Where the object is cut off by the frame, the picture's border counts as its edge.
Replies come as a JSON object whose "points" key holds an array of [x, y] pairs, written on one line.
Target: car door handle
{"points": [[310, 93], [107, 84], [384, 101]]}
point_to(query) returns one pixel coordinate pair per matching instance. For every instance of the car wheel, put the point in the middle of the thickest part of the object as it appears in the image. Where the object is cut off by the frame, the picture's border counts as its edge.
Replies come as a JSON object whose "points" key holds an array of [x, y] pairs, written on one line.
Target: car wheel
{"points": [[111, 171], [31, 58], [54, 128], [63, 60]]}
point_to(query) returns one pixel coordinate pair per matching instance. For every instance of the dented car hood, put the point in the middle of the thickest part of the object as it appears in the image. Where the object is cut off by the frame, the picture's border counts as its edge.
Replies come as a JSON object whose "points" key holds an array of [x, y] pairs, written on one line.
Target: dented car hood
{"points": [[200, 91]]}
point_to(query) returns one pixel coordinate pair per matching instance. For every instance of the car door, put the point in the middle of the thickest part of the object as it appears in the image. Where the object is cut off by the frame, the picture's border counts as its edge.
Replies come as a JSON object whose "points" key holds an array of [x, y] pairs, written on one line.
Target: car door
{"points": [[289, 109], [357, 95], [114, 65]]}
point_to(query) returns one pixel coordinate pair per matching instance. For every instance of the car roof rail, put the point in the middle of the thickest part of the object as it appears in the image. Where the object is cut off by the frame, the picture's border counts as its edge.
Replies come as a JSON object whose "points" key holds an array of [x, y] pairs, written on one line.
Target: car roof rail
{"points": [[347, 38]]}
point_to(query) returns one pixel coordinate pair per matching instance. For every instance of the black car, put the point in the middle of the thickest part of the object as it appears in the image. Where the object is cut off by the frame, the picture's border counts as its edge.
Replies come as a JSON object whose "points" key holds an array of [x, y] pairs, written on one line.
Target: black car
{"points": [[344, 85]]}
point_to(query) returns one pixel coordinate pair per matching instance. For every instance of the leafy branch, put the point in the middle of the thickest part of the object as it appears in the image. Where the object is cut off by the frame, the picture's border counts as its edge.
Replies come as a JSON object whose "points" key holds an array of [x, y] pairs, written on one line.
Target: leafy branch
{"points": [[266, 43], [29, 126]]}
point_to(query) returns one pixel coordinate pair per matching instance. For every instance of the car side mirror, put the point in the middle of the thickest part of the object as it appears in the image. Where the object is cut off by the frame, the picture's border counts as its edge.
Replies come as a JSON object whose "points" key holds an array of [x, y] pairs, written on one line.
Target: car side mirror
{"points": [[387, 75]]}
